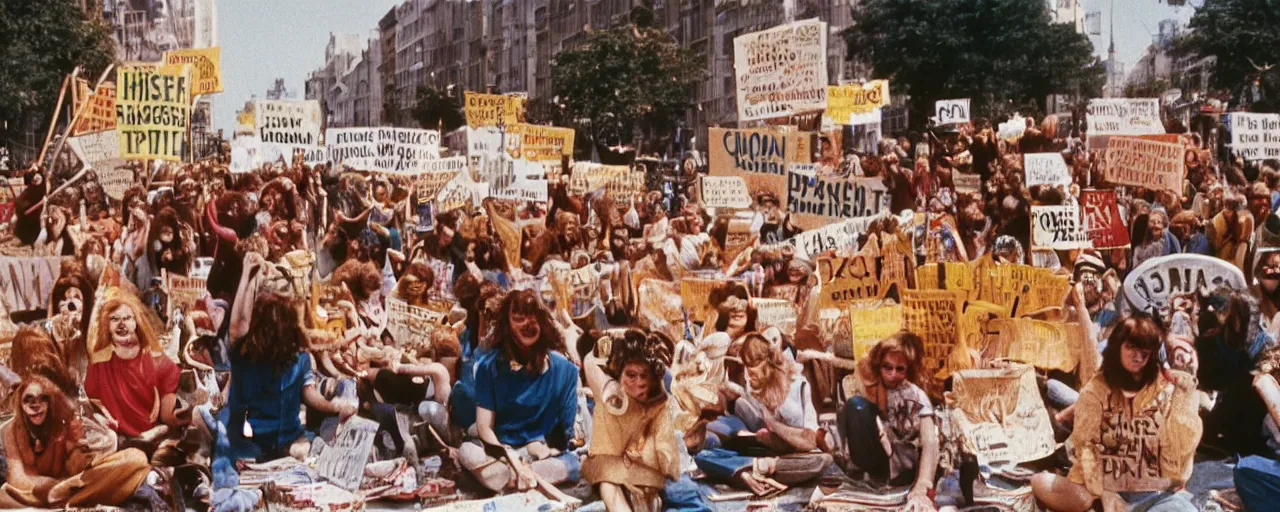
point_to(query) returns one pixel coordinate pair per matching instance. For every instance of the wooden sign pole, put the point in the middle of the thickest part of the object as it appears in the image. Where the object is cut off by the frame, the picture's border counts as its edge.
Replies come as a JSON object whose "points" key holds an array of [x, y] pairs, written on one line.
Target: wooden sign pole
{"points": [[53, 121]]}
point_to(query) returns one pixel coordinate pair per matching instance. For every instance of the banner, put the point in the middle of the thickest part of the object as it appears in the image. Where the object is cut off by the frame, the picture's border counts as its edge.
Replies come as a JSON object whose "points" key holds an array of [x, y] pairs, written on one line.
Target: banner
{"points": [[810, 194], [1058, 228], [153, 109], [438, 174], [493, 109], [846, 101], [724, 192], [952, 111], [1145, 163], [206, 68], [781, 71], [98, 150], [1100, 215], [1045, 169], [1124, 116], [403, 151], [288, 124], [870, 325], [1151, 285], [100, 115], [1255, 136], [411, 325], [618, 181], [1001, 415], [539, 143]]}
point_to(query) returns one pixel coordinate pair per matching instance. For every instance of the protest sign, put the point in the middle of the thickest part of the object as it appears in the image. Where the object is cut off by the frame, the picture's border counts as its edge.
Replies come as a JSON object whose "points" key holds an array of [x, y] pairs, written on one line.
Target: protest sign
{"points": [[1132, 459], [411, 324], [1124, 116], [403, 151], [1150, 286], [519, 180], [99, 150], [1100, 215], [810, 194], [288, 124], [342, 463], [1012, 129], [454, 195], [115, 180], [539, 143], [775, 313], [206, 68], [874, 118], [275, 154], [484, 142], [738, 238], [849, 281], [440, 172], [695, 295], [618, 181], [935, 316], [659, 304], [846, 101], [758, 155], [1045, 169], [244, 154], [952, 111], [493, 109], [100, 114], [1145, 163], [184, 292], [870, 325], [781, 71], [1001, 415], [1028, 287], [1255, 136], [26, 283], [1044, 345], [153, 108], [1058, 228], [724, 192], [947, 276], [966, 183]]}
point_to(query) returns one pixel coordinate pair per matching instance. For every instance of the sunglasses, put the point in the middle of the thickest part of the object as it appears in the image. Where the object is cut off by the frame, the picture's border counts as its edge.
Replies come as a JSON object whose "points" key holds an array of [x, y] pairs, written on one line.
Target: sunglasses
{"points": [[35, 399], [891, 368]]}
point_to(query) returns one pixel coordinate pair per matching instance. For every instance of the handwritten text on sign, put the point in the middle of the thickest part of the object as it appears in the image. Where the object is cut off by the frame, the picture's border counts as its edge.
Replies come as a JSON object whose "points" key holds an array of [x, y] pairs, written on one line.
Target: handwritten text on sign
{"points": [[100, 114], [153, 107], [411, 324], [1057, 227], [1155, 280], [781, 71], [539, 143], [807, 193], [935, 315], [1124, 116], [952, 111], [1046, 169], [288, 124], [845, 101], [1145, 163], [725, 192], [404, 151], [1255, 136], [1100, 215], [206, 67], [342, 463]]}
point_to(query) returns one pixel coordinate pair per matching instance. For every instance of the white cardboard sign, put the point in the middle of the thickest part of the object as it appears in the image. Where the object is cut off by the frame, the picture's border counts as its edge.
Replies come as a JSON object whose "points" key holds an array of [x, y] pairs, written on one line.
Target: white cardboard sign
{"points": [[1058, 227], [1045, 169], [952, 111], [1155, 280], [725, 192]]}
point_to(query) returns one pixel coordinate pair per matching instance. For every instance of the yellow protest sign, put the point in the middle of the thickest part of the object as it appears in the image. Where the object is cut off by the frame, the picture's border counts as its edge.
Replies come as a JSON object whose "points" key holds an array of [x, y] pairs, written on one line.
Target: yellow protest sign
{"points": [[539, 143], [935, 316], [695, 294], [1033, 288], [974, 323], [100, 114], [153, 109], [1044, 345], [870, 325], [206, 68], [493, 109], [946, 276], [846, 100]]}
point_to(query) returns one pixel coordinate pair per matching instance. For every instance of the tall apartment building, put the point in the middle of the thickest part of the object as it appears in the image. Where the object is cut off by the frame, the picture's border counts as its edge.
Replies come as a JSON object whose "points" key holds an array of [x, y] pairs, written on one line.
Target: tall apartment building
{"points": [[340, 55]]}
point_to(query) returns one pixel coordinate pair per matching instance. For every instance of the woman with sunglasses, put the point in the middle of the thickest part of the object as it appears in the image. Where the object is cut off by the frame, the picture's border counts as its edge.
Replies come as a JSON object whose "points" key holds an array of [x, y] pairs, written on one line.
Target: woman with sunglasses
{"points": [[889, 420], [1136, 430]]}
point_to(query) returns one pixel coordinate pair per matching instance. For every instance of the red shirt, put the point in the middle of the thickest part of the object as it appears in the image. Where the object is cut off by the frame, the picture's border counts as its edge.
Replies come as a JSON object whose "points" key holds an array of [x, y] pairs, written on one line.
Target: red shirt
{"points": [[129, 388]]}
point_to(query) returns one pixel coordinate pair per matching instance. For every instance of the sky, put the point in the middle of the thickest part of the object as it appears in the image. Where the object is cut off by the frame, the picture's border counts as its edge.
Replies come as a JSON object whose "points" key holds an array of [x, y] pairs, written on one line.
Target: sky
{"points": [[267, 39]]}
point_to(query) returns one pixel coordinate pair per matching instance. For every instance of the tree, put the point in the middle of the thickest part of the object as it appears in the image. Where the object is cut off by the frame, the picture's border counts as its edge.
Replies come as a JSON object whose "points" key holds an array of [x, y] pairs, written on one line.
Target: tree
{"points": [[40, 43], [1243, 35], [434, 110], [626, 80], [999, 53]]}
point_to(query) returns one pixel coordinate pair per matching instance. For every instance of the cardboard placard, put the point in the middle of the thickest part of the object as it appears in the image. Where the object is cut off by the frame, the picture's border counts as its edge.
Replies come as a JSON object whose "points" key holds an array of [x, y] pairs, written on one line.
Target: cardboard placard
{"points": [[1145, 163], [26, 283], [493, 109], [427, 186], [411, 324], [484, 142], [153, 110], [1124, 116], [342, 463], [1045, 169], [781, 71], [184, 292], [115, 181], [935, 316], [775, 313], [519, 180], [1255, 136], [1156, 280], [100, 114], [1033, 288], [1012, 129], [966, 183], [695, 295], [539, 143], [660, 307], [724, 192], [1044, 345], [850, 281], [206, 68], [1001, 415], [810, 194], [870, 325], [846, 101], [403, 151], [738, 238], [1100, 215], [619, 181], [98, 150], [288, 124], [1058, 228], [952, 111]]}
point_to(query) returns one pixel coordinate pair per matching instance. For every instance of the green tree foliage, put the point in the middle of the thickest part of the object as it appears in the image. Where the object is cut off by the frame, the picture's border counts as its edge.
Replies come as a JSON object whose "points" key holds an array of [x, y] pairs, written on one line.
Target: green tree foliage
{"points": [[40, 43], [627, 80], [998, 53], [433, 110], [1244, 35]]}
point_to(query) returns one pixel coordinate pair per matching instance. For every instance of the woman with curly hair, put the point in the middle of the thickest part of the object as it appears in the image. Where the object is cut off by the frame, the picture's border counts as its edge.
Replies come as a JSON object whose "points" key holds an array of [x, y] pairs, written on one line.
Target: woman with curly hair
{"points": [[633, 444], [526, 403], [415, 283]]}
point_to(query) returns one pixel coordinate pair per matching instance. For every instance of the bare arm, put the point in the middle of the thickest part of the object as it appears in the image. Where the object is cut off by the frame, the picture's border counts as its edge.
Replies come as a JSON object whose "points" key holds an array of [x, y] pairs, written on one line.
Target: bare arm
{"points": [[928, 456], [246, 295], [802, 439], [596, 378], [168, 415], [313, 399]]}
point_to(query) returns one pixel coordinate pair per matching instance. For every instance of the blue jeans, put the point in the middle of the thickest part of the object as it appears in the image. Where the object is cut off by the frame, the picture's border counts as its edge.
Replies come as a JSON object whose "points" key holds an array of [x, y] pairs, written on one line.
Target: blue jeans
{"points": [[684, 495], [1258, 482]]}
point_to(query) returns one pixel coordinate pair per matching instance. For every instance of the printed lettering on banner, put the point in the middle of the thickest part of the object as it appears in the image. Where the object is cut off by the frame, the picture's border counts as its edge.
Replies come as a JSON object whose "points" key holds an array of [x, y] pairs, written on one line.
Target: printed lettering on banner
{"points": [[342, 463], [935, 316], [1058, 227], [1145, 163], [206, 67], [1255, 136], [846, 101], [870, 325], [1156, 280], [724, 192], [26, 283], [153, 109], [781, 71], [411, 324], [493, 109], [1001, 416], [403, 151], [539, 143], [1100, 215], [810, 194], [100, 114], [952, 111], [1045, 169], [289, 125]]}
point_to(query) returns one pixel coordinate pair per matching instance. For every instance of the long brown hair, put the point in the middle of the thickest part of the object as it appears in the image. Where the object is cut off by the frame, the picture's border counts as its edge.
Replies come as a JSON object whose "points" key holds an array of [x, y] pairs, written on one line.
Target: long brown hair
{"points": [[502, 338], [275, 334], [757, 350], [1143, 332], [34, 353], [143, 317], [58, 419], [905, 343]]}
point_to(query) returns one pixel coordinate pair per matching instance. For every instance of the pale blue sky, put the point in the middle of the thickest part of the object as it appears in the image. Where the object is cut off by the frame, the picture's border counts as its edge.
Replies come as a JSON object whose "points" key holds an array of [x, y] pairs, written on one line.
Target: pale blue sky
{"points": [[267, 39]]}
